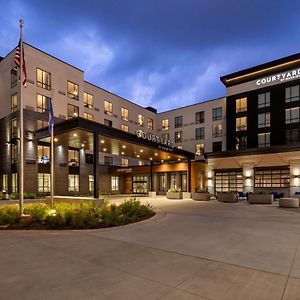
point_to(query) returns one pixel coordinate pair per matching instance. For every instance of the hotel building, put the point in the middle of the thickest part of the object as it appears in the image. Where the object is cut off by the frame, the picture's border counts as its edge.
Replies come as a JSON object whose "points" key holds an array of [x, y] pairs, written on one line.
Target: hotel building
{"points": [[246, 141]]}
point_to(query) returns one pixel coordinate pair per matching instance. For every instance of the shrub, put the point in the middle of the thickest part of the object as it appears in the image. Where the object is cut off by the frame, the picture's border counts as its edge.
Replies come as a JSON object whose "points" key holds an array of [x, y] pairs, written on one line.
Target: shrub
{"points": [[9, 214], [134, 210], [174, 190], [28, 195], [38, 212], [14, 196]]}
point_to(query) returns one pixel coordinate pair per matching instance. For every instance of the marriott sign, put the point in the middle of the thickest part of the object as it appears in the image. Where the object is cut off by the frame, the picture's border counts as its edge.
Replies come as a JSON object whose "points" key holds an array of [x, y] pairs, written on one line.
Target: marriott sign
{"points": [[281, 77]]}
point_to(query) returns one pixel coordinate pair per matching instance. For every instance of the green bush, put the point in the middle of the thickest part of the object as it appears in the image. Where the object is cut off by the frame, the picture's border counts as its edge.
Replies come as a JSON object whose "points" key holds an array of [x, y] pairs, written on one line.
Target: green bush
{"points": [[28, 195], [38, 212], [13, 196], [134, 210], [9, 214]]}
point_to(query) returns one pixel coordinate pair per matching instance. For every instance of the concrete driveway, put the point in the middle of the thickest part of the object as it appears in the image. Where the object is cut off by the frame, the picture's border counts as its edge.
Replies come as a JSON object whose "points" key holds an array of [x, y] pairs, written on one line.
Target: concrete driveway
{"points": [[189, 250]]}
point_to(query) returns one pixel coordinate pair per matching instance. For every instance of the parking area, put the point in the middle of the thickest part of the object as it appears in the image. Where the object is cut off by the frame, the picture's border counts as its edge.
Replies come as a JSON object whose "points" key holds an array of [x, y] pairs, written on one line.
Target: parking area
{"points": [[189, 250]]}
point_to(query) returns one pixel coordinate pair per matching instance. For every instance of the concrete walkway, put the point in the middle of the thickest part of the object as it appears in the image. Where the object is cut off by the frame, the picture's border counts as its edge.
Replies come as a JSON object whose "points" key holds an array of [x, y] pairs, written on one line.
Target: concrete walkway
{"points": [[189, 250]]}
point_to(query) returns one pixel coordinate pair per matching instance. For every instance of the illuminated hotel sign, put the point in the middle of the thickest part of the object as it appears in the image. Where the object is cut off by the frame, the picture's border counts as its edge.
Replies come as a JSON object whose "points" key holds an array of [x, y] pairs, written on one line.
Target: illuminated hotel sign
{"points": [[153, 138], [281, 77]]}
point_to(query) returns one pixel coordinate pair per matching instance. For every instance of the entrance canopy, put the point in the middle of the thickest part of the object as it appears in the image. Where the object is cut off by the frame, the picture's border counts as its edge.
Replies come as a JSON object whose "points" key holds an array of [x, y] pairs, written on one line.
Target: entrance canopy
{"points": [[81, 133]]}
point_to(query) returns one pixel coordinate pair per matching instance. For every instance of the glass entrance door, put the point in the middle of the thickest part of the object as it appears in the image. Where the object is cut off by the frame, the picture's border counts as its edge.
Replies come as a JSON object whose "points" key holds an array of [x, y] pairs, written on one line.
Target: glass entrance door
{"points": [[183, 179], [140, 184]]}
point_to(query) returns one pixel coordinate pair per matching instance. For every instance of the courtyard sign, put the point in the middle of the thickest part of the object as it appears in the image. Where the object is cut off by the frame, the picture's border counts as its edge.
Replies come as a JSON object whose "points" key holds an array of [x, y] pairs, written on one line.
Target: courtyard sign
{"points": [[154, 138], [281, 77]]}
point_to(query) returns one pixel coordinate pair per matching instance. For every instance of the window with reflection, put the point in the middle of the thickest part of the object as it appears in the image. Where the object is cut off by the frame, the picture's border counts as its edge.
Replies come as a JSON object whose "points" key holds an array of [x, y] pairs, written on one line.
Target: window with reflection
{"points": [[43, 79], [73, 90]]}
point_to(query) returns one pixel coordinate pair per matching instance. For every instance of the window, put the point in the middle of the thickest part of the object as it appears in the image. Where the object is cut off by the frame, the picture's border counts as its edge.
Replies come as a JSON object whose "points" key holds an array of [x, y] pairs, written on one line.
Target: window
{"points": [[88, 116], [217, 131], [162, 182], [91, 183], [141, 163], [292, 136], [141, 120], [108, 108], [241, 105], [165, 136], [13, 77], [264, 120], [108, 122], [88, 100], [150, 123], [165, 124], [241, 142], [73, 111], [229, 181], [73, 183], [14, 154], [199, 149], [292, 115], [124, 114], [44, 183], [199, 133], [124, 162], [5, 182], [42, 103], [292, 94], [89, 158], [43, 79], [139, 184], [199, 117], [178, 122], [41, 124], [43, 154], [114, 183], [108, 160], [14, 102], [124, 128], [263, 139], [264, 100], [241, 124], [217, 146], [73, 90], [13, 128], [179, 147], [14, 182], [272, 178], [73, 158], [217, 114], [172, 181], [178, 136]]}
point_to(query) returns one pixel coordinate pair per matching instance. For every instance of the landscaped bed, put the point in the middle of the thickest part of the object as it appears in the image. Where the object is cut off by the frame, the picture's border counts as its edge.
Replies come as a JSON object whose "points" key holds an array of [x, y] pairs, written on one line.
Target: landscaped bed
{"points": [[85, 215]]}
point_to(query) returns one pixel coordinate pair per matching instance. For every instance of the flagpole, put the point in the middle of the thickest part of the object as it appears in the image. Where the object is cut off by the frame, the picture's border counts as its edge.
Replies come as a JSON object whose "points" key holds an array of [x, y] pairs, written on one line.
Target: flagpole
{"points": [[52, 161], [21, 168]]}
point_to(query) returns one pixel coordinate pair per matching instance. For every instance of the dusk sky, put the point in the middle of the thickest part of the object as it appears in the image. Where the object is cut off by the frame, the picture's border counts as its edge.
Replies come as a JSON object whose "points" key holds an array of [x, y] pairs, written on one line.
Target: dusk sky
{"points": [[166, 53]]}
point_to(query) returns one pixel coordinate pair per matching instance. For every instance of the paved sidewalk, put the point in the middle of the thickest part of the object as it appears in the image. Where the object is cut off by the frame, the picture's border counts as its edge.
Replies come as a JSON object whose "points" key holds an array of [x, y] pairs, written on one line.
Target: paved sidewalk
{"points": [[189, 250]]}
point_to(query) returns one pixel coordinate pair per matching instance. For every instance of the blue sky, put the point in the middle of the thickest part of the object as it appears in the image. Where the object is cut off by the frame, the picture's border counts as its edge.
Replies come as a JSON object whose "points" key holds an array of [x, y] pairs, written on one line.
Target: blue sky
{"points": [[160, 53]]}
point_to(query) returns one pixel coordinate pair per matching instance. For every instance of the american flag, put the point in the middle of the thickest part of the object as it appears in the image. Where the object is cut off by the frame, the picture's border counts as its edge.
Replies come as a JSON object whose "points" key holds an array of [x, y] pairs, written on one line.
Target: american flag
{"points": [[18, 62]]}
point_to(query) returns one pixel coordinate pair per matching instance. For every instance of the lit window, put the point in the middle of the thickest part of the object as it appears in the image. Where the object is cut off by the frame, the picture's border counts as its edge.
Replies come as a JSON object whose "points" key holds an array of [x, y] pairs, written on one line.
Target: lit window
{"points": [[14, 102], [124, 114], [199, 117], [217, 114], [5, 182], [199, 149], [44, 183], [141, 120], [42, 103], [43, 154], [217, 131], [178, 122], [292, 115], [264, 120], [150, 123], [292, 94], [124, 162], [264, 100], [241, 124], [91, 183], [13, 128], [124, 128], [73, 111], [263, 139], [241, 105], [88, 100], [88, 116], [73, 183], [165, 124], [178, 136], [141, 163], [73, 158], [73, 90], [108, 108], [14, 183], [199, 133], [114, 183], [43, 79]]}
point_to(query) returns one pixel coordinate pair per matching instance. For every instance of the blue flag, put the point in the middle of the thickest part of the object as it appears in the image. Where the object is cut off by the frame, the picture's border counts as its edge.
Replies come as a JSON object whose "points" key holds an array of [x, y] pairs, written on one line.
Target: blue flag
{"points": [[51, 116]]}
